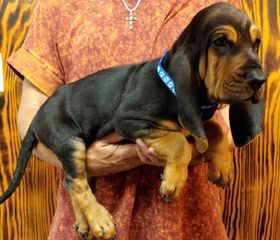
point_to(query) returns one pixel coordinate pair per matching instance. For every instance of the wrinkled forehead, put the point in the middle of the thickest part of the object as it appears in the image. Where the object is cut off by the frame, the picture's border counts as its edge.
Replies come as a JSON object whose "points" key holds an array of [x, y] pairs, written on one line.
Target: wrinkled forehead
{"points": [[233, 21]]}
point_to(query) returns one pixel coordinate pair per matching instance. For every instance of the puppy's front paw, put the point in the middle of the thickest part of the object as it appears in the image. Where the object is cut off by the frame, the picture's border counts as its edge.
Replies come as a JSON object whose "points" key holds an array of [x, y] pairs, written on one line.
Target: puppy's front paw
{"points": [[172, 184], [220, 173]]}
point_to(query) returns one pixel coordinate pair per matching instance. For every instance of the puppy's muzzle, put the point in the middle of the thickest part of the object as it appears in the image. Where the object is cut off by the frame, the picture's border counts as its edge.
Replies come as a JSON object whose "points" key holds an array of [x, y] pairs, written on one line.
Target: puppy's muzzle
{"points": [[255, 78]]}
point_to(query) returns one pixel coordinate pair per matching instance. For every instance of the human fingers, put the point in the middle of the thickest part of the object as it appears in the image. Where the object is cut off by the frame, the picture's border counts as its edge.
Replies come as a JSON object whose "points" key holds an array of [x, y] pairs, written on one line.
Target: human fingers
{"points": [[148, 154]]}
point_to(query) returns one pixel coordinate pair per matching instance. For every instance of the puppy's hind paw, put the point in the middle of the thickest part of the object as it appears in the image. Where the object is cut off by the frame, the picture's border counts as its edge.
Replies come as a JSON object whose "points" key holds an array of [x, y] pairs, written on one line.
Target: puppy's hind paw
{"points": [[101, 223], [84, 235]]}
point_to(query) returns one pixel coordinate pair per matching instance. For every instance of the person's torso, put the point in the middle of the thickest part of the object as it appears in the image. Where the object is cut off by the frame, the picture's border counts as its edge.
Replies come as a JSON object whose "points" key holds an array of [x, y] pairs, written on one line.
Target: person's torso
{"points": [[94, 35]]}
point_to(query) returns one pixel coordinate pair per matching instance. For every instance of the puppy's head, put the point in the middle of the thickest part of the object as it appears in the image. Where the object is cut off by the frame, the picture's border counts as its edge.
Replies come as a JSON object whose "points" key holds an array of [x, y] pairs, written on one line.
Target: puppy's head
{"points": [[228, 60], [218, 53]]}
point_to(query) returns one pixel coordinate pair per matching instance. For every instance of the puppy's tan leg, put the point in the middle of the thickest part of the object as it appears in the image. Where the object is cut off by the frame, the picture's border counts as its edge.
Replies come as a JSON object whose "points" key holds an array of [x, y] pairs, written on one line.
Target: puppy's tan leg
{"points": [[173, 147], [86, 206], [218, 155]]}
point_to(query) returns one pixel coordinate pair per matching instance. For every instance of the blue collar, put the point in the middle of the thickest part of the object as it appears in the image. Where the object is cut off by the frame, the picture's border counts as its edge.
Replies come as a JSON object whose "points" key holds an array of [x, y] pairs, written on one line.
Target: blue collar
{"points": [[164, 76], [168, 81]]}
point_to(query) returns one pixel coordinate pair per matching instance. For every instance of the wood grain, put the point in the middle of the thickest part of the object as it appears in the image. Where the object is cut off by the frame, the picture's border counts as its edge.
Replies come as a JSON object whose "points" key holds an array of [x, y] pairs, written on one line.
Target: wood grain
{"points": [[27, 215], [250, 205]]}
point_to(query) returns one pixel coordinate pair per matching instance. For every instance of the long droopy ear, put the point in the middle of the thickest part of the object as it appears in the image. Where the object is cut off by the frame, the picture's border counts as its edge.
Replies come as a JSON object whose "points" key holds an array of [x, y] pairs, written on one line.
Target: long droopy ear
{"points": [[245, 121], [188, 100]]}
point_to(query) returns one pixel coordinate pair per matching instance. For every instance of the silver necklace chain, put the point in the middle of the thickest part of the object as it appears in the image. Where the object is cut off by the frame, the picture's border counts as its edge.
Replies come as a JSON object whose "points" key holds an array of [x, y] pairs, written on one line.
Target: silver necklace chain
{"points": [[131, 18], [133, 9]]}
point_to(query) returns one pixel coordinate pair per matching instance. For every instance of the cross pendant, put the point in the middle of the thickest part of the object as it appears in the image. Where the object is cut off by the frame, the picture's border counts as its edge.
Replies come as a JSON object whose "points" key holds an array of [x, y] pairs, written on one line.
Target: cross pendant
{"points": [[131, 19]]}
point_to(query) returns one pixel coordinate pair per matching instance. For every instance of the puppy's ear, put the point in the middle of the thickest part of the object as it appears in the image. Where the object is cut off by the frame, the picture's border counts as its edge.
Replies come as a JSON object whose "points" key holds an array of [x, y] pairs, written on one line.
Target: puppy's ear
{"points": [[188, 99], [245, 121]]}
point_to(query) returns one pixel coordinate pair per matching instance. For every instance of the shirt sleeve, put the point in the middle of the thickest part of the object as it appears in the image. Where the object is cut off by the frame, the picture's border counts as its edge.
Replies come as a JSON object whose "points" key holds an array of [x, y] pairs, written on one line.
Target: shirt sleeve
{"points": [[38, 58]]}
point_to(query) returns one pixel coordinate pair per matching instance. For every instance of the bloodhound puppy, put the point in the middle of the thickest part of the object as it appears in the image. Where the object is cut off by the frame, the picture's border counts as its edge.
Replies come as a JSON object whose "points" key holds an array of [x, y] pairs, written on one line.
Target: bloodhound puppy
{"points": [[214, 61]]}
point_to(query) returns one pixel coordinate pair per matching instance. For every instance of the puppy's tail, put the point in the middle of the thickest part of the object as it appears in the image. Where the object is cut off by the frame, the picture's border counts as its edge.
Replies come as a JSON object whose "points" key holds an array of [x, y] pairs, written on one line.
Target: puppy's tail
{"points": [[26, 149]]}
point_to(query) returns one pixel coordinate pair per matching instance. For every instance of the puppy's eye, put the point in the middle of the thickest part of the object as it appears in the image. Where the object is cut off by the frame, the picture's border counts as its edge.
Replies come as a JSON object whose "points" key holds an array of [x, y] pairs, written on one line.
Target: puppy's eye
{"points": [[221, 42], [257, 44]]}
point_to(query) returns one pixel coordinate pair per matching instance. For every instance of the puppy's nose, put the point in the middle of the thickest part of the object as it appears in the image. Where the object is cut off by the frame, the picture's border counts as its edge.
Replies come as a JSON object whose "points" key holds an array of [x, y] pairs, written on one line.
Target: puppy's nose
{"points": [[255, 78], [256, 83]]}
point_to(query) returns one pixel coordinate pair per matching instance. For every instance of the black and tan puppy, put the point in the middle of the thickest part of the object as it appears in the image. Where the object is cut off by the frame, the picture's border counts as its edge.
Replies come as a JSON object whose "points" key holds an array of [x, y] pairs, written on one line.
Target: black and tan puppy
{"points": [[214, 61]]}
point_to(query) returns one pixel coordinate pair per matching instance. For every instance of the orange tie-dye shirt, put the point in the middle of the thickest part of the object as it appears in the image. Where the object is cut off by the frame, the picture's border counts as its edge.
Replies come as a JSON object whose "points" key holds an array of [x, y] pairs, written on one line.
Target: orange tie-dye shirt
{"points": [[74, 38]]}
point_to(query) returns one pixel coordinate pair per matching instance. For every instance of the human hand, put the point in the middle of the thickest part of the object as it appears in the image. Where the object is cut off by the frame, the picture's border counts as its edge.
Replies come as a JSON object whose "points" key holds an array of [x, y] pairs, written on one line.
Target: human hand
{"points": [[109, 155]]}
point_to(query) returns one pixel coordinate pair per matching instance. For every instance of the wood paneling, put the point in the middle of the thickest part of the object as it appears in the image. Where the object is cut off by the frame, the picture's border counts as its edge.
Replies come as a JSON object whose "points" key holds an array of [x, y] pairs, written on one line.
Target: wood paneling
{"points": [[250, 205], [28, 213]]}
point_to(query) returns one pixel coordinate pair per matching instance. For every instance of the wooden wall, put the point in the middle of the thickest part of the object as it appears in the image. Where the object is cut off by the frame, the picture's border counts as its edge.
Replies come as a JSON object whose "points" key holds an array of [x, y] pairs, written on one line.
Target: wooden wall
{"points": [[251, 204], [28, 213]]}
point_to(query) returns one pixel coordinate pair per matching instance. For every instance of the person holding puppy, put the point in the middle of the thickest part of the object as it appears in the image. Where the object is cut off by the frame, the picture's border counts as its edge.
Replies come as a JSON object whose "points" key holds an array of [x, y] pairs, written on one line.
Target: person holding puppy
{"points": [[71, 39]]}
